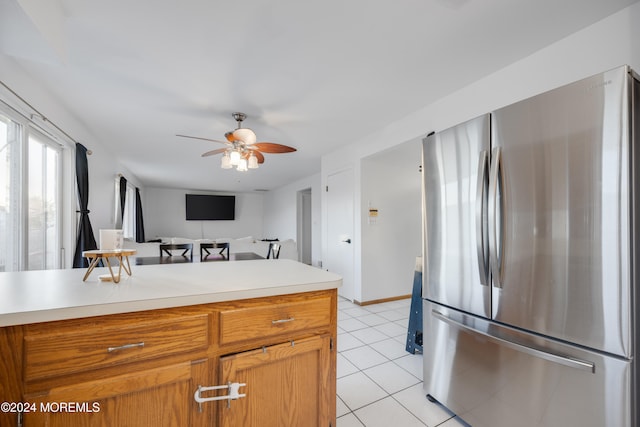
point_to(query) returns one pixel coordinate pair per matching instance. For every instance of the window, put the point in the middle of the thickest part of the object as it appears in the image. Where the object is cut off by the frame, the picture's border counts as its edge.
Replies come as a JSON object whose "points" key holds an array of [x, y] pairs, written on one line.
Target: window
{"points": [[43, 231], [10, 160], [30, 200]]}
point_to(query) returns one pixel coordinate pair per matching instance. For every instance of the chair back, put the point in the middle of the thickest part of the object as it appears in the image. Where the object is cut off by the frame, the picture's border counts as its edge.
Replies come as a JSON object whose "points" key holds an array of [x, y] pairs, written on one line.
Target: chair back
{"points": [[220, 256], [274, 251], [186, 248]]}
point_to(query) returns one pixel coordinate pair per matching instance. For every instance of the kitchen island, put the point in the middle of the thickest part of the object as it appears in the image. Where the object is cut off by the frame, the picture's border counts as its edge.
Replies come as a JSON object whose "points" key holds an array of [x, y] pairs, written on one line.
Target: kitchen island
{"points": [[144, 351]]}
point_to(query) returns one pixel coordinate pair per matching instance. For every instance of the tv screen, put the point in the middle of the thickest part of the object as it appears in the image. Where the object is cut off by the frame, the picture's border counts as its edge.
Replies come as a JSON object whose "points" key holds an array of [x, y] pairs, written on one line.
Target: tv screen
{"points": [[209, 207]]}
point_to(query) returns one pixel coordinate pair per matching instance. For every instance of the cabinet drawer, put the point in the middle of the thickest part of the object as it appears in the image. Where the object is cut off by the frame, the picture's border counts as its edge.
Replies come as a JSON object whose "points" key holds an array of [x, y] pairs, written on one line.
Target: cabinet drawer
{"points": [[65, 350], [240, 324]]}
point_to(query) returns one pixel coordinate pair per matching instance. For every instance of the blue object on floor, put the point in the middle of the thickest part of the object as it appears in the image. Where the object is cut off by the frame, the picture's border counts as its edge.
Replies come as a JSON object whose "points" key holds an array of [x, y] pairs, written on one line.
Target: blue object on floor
{"points": [[414, 333]]}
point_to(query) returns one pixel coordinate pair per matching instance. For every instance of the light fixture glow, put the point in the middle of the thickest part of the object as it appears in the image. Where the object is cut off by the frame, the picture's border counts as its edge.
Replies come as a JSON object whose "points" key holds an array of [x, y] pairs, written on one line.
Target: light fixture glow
{"points": [[239, 157], [235, 158], [226, 161], [253, 161]]}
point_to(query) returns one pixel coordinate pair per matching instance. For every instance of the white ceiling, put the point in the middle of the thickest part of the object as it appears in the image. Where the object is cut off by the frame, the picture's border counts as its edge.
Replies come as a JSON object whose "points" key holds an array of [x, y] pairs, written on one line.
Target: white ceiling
{"points": [[316, 75]]}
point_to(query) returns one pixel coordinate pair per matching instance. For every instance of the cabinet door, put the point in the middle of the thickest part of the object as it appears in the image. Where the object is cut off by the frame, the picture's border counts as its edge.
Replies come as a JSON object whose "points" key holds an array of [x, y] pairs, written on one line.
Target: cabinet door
{"points": [[155, 397], [289, 384]]}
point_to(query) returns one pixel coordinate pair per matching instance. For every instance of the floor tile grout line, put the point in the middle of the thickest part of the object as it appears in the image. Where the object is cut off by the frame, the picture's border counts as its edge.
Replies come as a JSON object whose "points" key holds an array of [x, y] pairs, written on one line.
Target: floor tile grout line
{"points": [[391, 393], [388, 394], [374, 366], [353, 411], [401, 322], [410, 411], [378, 364]]}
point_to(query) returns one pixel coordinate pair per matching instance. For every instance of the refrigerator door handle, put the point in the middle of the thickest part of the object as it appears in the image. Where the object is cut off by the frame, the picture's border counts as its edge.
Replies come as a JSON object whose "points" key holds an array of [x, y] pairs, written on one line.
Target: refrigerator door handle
{"points": [[539, 353], [495, 217], [481, 218]]}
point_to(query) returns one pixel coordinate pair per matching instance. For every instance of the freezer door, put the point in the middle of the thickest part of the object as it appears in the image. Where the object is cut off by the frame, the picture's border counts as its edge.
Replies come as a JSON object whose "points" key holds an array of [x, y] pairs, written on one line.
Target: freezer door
{"points": [[455, 249], [560, 186], [493, 376]]}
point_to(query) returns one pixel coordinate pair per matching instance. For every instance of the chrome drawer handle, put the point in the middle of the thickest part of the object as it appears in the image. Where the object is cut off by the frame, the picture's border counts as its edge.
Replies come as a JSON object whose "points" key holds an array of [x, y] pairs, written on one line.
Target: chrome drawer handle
{"points": [[125, 347], [290, 319]]}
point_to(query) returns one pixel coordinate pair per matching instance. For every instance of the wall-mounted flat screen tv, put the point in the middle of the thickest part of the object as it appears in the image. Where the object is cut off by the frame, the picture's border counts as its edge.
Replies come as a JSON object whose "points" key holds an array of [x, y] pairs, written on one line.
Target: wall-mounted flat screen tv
{"points": [[210, 207]]}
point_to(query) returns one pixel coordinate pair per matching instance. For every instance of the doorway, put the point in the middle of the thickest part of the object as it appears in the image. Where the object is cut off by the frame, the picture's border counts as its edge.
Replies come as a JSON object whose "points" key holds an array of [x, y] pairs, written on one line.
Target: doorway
{"points": [[304, 232]]}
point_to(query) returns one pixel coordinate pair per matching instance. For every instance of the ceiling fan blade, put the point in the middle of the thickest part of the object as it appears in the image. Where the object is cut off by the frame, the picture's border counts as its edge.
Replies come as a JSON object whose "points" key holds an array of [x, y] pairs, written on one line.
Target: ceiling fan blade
{"points": [[213, 152], [204, 139], [259, 156], [270, 147]]}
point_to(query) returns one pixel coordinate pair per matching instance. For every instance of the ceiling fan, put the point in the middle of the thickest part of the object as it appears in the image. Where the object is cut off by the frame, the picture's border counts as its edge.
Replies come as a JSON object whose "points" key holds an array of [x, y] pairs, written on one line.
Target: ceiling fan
{"points": [[242, 150]]}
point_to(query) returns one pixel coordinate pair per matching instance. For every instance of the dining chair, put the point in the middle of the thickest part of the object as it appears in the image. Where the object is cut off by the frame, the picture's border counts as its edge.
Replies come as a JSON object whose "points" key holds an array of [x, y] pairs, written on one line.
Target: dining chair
{"points": [[186, 248], [274, 251], [220, 256]]}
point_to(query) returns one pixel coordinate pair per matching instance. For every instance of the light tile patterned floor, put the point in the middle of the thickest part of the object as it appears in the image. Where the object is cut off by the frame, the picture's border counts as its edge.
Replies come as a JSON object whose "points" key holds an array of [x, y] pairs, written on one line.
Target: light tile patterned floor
{"points": [[379, 383]]}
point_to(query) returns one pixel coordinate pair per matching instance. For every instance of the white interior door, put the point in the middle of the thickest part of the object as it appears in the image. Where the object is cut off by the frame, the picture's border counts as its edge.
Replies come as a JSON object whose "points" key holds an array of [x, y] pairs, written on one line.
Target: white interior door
{"points": [[339, 254]]}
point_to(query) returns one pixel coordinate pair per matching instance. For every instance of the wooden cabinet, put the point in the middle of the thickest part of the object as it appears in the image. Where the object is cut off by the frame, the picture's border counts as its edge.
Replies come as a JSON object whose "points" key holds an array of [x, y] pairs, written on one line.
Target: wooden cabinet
{"points": [[154, 397], [269, 318], [288, 384], [131, 369], [70, 347], [143, 368], [282, 348]]}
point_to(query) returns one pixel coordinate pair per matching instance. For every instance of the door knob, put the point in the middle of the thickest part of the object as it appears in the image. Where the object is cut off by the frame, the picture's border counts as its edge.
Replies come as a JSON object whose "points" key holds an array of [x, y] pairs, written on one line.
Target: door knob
{"points": [[346, 241]]}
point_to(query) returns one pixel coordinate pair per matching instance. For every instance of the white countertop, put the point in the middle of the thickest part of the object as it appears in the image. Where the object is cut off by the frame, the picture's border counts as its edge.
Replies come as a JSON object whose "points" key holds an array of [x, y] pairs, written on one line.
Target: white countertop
{"points": [[48, 295]]}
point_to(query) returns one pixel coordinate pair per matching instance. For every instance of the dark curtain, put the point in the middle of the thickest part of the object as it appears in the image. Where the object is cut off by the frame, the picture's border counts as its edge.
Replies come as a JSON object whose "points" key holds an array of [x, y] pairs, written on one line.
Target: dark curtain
{"points": [[123, 196], [86, 239], [139, 221]]}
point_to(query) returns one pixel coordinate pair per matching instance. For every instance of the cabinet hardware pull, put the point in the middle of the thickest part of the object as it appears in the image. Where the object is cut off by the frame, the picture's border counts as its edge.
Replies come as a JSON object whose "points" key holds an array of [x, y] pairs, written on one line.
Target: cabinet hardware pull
{"points": [[290, 319], [233, 393], [125, 347]]}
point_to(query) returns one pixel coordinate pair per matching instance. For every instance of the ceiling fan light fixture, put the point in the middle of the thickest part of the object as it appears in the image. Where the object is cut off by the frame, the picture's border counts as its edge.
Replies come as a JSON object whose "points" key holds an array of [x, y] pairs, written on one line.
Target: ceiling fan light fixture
{"points": [[234, 158], [242, 149], [225, 163], [242, 165], [253, 161], [245, 135]]}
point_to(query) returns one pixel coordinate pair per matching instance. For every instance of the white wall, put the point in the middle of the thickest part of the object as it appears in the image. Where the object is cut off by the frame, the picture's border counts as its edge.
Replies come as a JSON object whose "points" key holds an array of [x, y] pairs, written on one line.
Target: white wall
{"points": [[164, 216], [280, 213], [607, 44], [391, 183]]}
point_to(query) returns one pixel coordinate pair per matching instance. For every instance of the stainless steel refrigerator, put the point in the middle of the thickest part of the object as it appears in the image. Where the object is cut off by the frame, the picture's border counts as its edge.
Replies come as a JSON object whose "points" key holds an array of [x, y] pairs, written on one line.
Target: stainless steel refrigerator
{"points": [[530, 260]]}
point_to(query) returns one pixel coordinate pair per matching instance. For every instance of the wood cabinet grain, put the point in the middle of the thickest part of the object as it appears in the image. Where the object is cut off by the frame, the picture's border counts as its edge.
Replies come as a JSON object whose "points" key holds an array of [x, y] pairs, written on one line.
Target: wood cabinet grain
{"points": [[143, 368]]}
